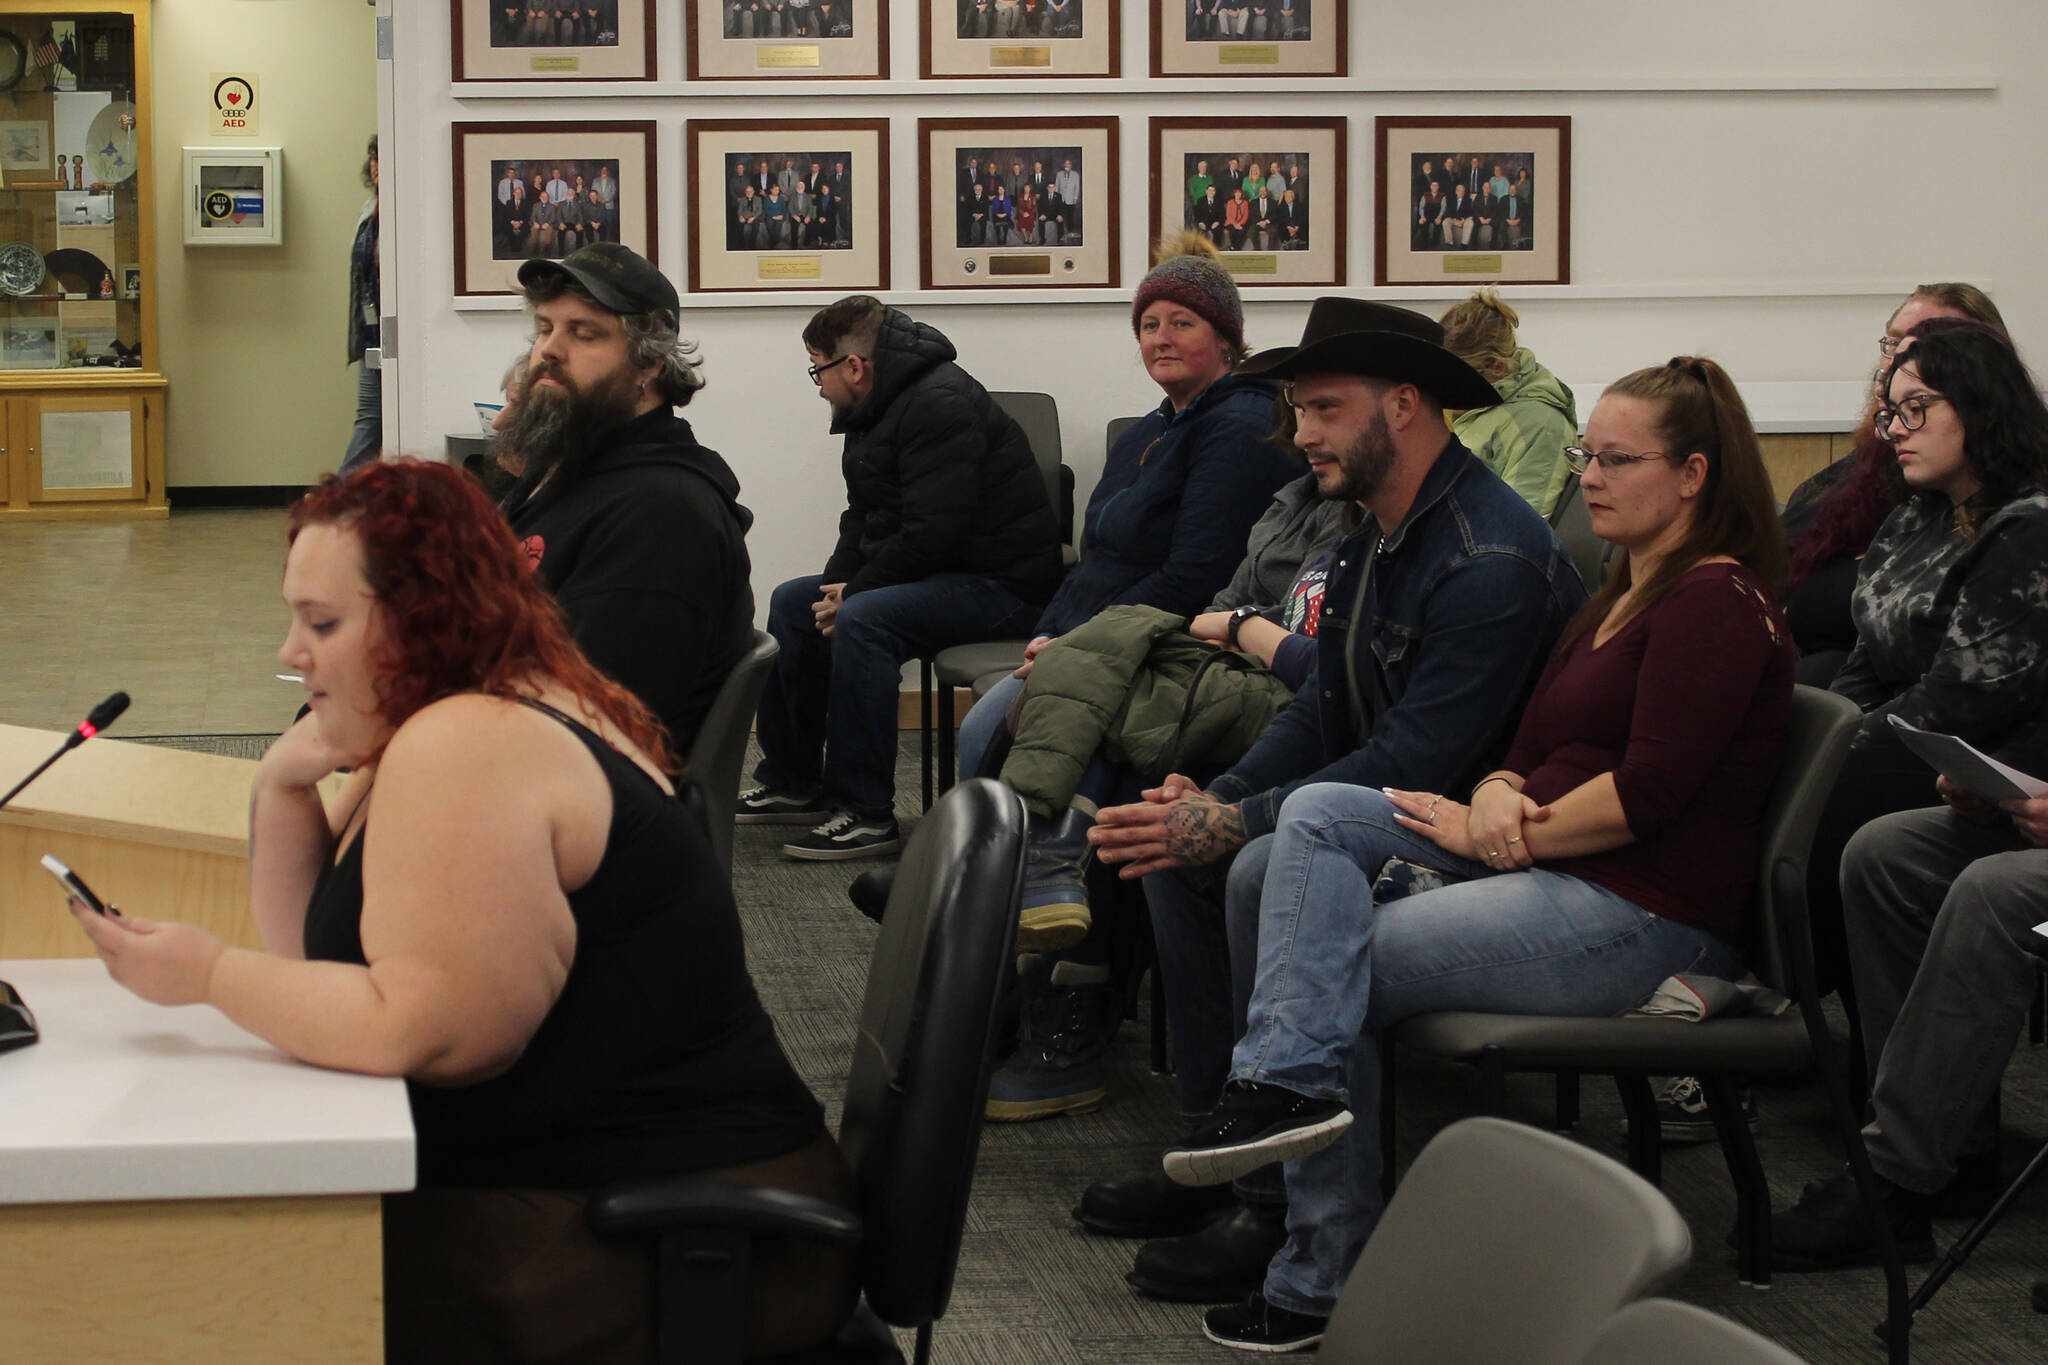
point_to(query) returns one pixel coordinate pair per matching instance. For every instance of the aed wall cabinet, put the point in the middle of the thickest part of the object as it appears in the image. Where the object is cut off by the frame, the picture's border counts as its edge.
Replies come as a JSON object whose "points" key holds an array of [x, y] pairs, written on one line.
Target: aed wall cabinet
{"points": [[234, 197]]}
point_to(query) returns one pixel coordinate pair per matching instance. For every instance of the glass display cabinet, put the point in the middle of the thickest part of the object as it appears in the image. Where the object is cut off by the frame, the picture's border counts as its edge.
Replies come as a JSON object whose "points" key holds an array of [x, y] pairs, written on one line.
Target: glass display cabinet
{"points": [[81, 387]]}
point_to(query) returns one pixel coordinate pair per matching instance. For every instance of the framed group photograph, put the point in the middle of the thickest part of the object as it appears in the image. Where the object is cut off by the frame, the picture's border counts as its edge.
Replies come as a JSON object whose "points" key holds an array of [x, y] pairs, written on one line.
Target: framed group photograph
{"points": [[526, 191], [1006, 38], [788, 204], [742, 40], [1473, 200], [1269, 192], [1249, 38], [553, 40], [1018, 203]]}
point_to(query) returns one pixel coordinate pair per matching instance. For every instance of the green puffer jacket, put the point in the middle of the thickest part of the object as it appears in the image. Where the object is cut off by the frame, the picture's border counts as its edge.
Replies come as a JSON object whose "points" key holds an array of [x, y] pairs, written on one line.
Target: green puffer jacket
{"points": [[1523, 437], [1133, 682]]}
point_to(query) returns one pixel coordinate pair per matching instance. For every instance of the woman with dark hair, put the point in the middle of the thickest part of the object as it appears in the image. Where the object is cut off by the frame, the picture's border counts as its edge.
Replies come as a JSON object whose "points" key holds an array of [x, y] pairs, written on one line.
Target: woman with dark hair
{"points": [[536, 936], [1830, 518], [1615, 845], [366, 439], [1949, 631]]}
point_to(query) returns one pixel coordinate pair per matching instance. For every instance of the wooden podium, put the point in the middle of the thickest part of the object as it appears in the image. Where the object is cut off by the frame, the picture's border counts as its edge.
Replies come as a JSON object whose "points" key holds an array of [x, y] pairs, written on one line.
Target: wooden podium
{"points": [[160, 831]]}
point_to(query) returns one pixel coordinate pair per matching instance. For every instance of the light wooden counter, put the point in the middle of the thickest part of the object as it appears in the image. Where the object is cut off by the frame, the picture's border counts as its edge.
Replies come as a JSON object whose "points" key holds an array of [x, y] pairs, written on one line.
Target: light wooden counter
{"points": [[174, 1189]]}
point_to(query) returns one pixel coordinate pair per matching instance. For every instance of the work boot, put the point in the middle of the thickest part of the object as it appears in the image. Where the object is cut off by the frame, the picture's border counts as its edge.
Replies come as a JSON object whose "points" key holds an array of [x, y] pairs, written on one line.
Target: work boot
{"points": [[1150, 1206], [1068, 1014], [1222, 1262], [1055, 905]]}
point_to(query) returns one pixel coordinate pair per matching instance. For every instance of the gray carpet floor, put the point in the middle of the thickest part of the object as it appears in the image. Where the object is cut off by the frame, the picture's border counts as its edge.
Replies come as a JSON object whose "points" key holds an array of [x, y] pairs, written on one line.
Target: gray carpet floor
{"points": [[1033, 1289]]}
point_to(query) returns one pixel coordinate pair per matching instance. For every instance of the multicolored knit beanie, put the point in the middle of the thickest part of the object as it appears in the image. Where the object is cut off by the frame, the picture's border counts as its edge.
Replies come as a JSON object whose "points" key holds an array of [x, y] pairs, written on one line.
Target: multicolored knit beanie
{"points": [[1190, 273]]}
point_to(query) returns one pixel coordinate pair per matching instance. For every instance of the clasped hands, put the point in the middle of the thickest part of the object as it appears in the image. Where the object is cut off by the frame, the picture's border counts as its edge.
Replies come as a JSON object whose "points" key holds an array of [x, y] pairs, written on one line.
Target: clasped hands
{"points": [[825, 611], [2029, 814], [1492, 830]]}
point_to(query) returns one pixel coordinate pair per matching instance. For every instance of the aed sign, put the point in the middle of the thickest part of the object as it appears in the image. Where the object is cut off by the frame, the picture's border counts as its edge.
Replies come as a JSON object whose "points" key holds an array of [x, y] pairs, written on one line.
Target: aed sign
{"points": [[234, 104]]}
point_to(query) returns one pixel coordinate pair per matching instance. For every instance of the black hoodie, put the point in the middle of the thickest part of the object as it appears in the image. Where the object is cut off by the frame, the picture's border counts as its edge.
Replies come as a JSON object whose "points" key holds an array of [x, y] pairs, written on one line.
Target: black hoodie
{"points": [[646, 551], [938, 478]]}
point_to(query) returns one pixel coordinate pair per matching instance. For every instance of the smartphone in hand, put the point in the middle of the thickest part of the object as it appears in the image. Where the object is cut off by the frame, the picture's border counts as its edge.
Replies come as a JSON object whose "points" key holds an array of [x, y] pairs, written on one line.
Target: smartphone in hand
{"points": [[75, 885]]}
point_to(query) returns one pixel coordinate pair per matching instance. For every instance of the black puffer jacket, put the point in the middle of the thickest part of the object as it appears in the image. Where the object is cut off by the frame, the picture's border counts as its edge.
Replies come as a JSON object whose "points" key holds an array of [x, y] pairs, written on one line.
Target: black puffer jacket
{"points": [[938, 478]]}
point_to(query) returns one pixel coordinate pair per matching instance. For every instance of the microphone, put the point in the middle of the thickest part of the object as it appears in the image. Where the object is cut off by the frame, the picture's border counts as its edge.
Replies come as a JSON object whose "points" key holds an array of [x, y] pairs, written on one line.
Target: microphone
{"points": [[98, 719]]}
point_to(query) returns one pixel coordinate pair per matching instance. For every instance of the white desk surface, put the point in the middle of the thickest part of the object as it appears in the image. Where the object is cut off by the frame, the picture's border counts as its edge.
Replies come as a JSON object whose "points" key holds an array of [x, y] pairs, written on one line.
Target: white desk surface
{"points": [[124, 1100]]}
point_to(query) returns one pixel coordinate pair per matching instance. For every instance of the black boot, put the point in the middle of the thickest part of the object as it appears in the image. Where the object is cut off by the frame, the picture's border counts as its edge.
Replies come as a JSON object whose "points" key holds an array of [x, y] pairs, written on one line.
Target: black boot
{"points": [[870, 892], [1222, 1263], [1068, 1015], [1828, 1228], [1149, 1205]]}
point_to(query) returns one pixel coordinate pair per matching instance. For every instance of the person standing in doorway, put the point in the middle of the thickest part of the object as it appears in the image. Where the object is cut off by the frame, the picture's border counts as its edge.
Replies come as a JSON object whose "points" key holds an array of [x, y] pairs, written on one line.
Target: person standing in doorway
{"points": [[367, 440]]}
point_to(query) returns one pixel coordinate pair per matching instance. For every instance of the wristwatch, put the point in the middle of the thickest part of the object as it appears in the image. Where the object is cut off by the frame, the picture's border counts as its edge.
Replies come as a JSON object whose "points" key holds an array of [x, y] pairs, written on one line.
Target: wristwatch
{"points": [[1237, 620]]}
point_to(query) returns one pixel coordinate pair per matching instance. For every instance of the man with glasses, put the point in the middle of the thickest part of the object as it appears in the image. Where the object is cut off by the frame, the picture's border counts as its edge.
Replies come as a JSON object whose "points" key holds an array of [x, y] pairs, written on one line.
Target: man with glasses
{"points": [[948, 538], [1438, 614]]}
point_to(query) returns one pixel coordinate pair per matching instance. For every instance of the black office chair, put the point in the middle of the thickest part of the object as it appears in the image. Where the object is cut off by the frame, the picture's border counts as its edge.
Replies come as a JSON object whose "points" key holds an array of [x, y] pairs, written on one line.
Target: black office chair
{"points": [[1574, 527], [923, 1053], [960, 665], [720, 749], [1789, 1045]]}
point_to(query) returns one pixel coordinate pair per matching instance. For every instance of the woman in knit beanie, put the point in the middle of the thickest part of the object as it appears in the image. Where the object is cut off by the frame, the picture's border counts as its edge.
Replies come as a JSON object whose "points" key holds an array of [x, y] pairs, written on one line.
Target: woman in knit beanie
{"points": [[1165, 527]]}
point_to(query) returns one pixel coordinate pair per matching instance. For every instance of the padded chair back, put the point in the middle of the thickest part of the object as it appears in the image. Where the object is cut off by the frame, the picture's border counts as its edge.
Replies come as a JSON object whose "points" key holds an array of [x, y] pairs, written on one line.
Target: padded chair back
{"points": [[1673, 1333], [720, 750], [1574, 527], [1506, 1244], [927, 1044], [1817, 735], [1039, 415]]}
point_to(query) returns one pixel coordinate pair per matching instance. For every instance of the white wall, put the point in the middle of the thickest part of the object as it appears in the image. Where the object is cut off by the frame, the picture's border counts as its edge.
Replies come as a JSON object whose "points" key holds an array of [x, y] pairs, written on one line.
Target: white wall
{"points": [[1753, 180]]}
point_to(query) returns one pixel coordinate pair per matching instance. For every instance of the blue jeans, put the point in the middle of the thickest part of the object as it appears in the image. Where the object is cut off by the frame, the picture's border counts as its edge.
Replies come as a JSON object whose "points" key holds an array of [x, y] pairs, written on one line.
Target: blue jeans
{"points": [[366, 441], [1333, 968], [828, 718], [978, 727]]}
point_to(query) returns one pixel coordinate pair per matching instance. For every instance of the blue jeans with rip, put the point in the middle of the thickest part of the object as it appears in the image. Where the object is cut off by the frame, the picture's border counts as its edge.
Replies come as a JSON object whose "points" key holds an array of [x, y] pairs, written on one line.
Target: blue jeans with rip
{"points": [[828, 717], [1332, 969]]}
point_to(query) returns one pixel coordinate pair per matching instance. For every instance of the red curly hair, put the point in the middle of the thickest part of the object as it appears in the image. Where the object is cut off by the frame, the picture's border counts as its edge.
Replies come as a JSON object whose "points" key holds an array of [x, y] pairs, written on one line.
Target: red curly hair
{"points": [[465, 610]]}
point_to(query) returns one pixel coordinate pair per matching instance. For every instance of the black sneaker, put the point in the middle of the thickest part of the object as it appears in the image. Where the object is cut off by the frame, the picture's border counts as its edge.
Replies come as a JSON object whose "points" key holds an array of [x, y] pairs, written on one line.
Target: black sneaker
{"points": [[1254, 1125], [762, 804], [1683, 1116], [847, 835], [1256, 1325]]}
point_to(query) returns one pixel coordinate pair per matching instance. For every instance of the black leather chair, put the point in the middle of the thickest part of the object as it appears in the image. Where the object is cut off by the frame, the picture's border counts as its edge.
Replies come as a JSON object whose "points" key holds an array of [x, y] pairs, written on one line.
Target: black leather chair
{"points": [[1574, 527], [1790, 1045], [923, 1053], [720, 749]]}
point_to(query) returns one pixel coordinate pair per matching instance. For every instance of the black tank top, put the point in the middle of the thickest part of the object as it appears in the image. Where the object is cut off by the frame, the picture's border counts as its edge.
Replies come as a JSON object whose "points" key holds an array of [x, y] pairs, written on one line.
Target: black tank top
{"points": [[656, 1058]]}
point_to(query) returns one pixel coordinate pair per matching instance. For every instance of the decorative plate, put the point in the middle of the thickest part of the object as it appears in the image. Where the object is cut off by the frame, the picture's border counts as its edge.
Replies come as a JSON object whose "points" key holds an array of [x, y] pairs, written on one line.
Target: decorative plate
{"points": [[110, 144], [21, 268], [13, 60]]}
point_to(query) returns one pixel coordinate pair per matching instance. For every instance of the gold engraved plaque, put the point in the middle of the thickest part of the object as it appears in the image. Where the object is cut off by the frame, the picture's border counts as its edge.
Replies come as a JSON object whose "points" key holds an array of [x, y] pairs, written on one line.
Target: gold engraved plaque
{"points": [[1248, 54], [786, 55], [790, 268], [1484, 264], [557, 64], [1021, 56], [1254, 263], [1020, 265]]}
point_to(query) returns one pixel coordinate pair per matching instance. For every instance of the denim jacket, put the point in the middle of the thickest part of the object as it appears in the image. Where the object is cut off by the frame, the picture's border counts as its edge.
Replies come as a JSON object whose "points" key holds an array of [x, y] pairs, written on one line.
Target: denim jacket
{"points": [[1429, 643]]}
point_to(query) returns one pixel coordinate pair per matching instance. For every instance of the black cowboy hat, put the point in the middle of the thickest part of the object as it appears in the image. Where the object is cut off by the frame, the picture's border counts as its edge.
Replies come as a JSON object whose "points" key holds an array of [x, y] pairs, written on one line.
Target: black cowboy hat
{"points": [[1378, 341]]}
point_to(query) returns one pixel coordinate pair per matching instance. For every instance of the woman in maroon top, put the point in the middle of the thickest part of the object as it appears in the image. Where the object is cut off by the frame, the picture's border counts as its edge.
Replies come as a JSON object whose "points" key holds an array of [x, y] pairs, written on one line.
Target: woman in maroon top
{"points": [[1615, 846]]}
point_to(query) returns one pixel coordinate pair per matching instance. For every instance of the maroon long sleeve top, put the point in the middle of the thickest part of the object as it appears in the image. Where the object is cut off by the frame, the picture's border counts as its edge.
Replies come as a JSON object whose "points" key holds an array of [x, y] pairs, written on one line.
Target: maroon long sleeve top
{"points": [[1685, 705]]}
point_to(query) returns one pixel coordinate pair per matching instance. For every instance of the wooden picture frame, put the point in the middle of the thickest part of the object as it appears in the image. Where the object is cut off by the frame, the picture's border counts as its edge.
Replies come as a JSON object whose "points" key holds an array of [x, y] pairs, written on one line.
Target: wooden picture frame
{"points": [[616, 45], [844, 249], [956, 247], [1415, 242], [491, 242], [722, 46], [1300, 237], [1009, 39], [1258, 39]]}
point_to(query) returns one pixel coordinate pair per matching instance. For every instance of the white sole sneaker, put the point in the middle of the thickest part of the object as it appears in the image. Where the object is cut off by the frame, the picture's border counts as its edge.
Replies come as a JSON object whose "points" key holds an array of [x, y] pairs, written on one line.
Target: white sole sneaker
{"points": [[1219, 1165]]}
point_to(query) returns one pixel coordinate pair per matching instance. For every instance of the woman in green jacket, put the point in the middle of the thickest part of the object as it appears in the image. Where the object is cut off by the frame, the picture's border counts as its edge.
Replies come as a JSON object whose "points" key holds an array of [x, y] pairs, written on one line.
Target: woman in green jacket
{"points": [[1523, 438]]}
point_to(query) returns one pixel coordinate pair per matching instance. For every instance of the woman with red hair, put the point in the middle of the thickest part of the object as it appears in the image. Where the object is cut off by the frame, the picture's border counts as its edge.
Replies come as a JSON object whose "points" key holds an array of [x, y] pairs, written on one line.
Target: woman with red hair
{"points": [[506, 903]]}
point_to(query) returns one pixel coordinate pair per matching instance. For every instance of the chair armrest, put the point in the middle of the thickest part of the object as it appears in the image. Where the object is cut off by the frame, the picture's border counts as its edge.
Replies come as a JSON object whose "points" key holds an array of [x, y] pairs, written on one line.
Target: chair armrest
{"points": [[703, 1202]]}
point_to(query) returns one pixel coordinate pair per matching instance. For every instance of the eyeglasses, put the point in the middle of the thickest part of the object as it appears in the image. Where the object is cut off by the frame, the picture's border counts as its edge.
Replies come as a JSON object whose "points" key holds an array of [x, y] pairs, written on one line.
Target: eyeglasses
{"points": [[1911, 413], [1611, 461], [1889, 344], [816, 370]]}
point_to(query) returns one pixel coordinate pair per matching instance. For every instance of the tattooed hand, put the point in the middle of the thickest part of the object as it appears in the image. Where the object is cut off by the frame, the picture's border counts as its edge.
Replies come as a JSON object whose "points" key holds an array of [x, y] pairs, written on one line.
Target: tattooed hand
{"points": [[1176, 824]]}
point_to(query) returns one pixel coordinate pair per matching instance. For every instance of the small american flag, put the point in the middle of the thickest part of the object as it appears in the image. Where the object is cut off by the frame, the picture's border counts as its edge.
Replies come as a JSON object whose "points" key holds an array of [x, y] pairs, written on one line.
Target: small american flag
{"points": [[45, 54]]}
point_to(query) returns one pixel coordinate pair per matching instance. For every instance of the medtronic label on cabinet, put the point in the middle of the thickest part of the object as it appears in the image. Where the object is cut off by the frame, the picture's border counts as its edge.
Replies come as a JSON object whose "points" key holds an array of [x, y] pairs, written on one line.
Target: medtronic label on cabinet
{"points": [[88, 450]]}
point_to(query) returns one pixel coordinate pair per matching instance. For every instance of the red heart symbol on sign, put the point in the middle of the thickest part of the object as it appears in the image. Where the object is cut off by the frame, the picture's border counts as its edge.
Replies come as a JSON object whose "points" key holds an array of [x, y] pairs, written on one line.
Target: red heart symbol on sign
{"points": [[234, 99]]}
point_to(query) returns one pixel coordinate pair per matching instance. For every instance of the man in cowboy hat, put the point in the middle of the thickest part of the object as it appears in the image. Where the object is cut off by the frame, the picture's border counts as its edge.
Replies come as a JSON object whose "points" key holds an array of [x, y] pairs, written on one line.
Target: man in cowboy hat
{"points": [[1440, 610]]}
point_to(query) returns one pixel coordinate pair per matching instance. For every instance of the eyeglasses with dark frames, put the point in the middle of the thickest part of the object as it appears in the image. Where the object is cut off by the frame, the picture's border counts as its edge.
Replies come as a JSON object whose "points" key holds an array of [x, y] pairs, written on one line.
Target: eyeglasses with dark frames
{"points": [[816, 370], [1611, 461], [1909, 412], [1889, 345]]}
